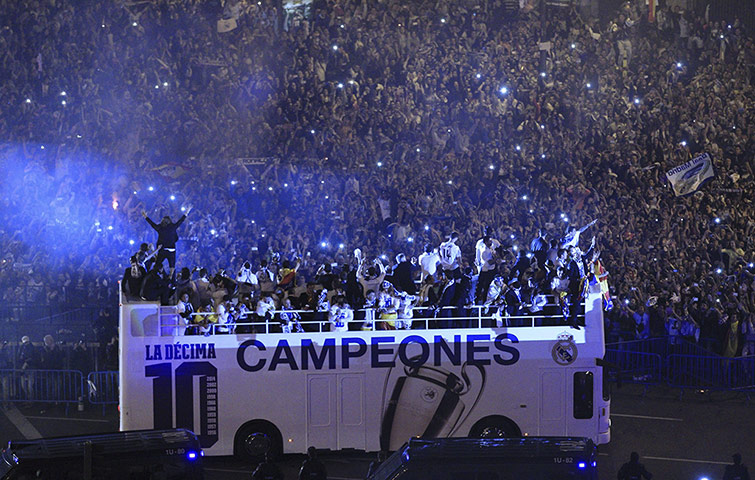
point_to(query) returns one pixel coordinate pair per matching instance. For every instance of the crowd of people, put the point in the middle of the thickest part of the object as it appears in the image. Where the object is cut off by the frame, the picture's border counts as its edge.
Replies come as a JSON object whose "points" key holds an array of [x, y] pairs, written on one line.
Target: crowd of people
{"points": [[381, 126]]}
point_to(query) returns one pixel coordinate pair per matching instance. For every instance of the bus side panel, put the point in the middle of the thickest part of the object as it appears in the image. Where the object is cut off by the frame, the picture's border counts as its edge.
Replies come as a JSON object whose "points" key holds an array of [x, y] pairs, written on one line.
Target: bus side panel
{"points": [[552, 402], [351, 411], [322, 427]]}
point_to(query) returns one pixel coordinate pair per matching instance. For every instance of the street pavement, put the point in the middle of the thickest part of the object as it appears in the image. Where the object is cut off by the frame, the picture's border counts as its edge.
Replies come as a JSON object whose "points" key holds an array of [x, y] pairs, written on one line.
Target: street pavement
{"points": [[688, 436]]}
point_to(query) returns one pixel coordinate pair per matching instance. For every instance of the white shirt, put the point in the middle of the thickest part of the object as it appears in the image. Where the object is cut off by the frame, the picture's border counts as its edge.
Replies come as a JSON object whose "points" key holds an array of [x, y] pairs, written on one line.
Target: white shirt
{"points": [[571, 239], [405, 307], [247, 276], [494, 290], [264, 306], [369, 315], [484, 255], [450, 255], [385, 208], [428, 262], [340, 317], [372, 283], [387, 302]]}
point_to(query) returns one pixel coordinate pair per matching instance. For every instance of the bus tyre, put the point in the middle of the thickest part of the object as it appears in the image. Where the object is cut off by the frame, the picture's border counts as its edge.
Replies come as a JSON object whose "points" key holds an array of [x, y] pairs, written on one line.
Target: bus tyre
{"points": [[256, 439], [495, 427]]}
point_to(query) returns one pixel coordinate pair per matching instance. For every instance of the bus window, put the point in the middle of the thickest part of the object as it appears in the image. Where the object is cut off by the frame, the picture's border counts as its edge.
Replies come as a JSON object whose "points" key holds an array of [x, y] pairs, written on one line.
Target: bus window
{"points": [[583, 392]]}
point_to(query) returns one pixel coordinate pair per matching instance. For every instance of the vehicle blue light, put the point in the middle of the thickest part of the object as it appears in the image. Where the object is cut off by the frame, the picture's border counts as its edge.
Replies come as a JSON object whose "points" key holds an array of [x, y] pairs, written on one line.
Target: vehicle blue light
{"points": [[581, 465], [191, 455]]}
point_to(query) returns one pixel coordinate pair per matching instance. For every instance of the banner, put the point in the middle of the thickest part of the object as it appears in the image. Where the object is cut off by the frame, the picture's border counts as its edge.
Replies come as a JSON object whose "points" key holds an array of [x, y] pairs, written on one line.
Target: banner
{"points": [[226, 25], [689, 177], [291, 4], [170, 170]]}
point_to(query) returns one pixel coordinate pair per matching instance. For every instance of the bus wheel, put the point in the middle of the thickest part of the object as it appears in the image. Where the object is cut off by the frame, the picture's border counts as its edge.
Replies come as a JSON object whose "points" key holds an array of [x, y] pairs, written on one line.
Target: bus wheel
{"points": [[495, 427], [255, 439]]}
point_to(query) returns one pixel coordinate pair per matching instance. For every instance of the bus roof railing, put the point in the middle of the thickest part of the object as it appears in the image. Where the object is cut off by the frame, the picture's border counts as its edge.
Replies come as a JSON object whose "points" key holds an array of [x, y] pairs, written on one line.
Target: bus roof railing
{"points": [[171, 323]]}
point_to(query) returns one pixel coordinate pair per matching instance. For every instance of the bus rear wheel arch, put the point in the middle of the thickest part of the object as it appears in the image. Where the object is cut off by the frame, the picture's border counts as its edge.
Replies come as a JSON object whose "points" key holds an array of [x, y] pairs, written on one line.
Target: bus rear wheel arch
{"points": [[495, 426], [257, 438]]}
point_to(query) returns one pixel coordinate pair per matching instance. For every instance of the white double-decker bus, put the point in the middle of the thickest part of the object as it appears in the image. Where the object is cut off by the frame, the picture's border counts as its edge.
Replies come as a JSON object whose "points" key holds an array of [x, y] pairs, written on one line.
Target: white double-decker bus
{"points": [[247, 394]]}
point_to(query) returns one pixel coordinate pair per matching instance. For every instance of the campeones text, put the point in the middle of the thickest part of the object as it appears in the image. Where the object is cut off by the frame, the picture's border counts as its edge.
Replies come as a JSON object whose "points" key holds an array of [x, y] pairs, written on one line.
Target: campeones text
{"points": [[381, 352]]}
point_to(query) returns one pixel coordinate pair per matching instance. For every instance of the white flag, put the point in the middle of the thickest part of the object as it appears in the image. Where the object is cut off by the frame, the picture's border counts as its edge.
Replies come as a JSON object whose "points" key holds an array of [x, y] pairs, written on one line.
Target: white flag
{"points": [[687, 178], [226, 25]]}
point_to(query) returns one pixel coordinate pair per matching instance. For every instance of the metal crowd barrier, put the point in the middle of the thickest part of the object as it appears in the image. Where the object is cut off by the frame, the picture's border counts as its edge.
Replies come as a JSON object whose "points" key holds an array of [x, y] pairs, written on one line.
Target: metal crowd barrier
{"points": [[42, 386], [103, 388], [711, 373], [636, 367], [59, 386], [663, 346], [679, 364]]}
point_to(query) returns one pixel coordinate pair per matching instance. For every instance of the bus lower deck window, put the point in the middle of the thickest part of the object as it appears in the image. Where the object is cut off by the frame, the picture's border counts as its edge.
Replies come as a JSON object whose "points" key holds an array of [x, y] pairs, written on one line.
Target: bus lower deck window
{"points": [[583, 392]]}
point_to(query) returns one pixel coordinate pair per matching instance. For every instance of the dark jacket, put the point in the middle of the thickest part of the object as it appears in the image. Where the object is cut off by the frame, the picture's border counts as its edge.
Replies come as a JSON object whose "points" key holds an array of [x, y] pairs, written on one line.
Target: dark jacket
{"points": [[51, 358], [633, 471], [402, 278], [736, 472], [513, 302], [267, 471], [28, 356], [167, 235], [312, 469], [133, 285], [155, 287]]}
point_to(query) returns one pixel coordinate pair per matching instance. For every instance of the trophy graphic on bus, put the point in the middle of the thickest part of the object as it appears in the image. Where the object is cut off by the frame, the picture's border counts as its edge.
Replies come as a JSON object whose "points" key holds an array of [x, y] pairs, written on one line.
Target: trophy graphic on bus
{"points": [[426, 401]]}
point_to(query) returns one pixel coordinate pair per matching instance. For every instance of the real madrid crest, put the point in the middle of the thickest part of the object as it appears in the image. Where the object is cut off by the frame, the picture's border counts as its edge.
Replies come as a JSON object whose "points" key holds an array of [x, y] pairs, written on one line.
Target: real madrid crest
{"points": [[564, 351]]}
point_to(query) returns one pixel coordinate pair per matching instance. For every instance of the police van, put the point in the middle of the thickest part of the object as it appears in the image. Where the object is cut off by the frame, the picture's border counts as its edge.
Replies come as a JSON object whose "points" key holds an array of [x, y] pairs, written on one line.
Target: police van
{"points": [[163, 455], [529, 458]]}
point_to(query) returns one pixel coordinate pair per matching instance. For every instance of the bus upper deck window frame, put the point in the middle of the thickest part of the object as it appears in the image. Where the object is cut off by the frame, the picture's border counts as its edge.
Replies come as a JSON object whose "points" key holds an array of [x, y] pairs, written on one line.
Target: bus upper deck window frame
{"points": [[584, 401]]}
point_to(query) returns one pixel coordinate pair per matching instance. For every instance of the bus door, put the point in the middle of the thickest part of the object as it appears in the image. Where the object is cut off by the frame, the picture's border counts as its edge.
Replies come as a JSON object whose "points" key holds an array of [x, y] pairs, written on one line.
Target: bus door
{"points": [[336, 411], [552, 401], [581, 411]]}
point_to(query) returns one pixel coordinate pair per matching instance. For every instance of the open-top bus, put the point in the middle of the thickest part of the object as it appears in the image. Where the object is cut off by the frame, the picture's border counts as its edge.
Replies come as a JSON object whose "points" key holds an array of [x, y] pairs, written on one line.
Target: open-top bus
{"points": [[252, 393]]}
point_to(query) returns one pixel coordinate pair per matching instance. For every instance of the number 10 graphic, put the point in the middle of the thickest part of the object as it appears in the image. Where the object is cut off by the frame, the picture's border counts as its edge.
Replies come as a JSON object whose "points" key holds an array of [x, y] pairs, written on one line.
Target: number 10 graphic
{"points": [[162, 398]]}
